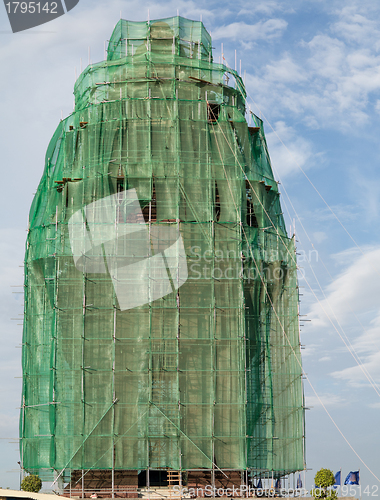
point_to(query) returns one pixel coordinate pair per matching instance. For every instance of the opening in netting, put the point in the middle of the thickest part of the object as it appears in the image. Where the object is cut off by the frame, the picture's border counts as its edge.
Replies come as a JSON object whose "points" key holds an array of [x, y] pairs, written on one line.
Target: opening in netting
{"points": [[251, 216], [213, 112]]}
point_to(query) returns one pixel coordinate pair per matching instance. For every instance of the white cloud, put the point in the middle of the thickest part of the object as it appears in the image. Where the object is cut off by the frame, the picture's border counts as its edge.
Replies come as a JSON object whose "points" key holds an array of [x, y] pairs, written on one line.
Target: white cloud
{"points": [[366, 374], [352, 300], [374, 405], [325, 358], [356, 27], [356, 290], [285, 70], [366, 193], [329, 80], [296, 154], [326, 56], [343, 76], [319, 236], [350, 256], [311, 351], [344, 212], [263, 8], [328, 399], [263, 30]]}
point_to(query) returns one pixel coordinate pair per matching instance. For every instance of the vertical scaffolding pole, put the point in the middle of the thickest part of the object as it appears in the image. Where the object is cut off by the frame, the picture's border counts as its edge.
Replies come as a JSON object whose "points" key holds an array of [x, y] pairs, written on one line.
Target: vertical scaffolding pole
{"points": [[151, 366], [178, 297], [82, 378], [54, 357], [114, 399], [214, 359]]}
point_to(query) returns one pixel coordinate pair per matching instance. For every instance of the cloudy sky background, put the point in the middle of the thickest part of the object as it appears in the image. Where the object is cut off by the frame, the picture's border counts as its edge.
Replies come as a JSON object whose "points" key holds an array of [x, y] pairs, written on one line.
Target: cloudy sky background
{"points": [[312, 70]]}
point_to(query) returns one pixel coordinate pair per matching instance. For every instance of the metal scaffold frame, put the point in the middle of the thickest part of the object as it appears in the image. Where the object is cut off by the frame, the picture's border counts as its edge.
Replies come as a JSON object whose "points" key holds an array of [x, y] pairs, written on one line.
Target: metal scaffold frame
{"points": [[206, 377]]}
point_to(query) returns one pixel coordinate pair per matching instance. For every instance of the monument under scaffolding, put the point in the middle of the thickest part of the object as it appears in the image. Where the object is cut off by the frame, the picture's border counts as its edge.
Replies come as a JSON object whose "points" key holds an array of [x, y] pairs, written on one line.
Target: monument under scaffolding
{"points": [[161, 299]]}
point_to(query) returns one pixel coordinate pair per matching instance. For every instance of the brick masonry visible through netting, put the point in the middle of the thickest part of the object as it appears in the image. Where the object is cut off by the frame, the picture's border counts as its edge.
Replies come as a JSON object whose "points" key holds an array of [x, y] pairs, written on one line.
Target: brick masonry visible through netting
{"points": [[161, 298]]}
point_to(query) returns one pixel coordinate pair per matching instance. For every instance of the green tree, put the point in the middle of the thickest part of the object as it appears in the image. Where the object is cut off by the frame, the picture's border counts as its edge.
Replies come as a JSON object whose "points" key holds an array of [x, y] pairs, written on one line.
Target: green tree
{"points": [[31, 483], [324, 479]]}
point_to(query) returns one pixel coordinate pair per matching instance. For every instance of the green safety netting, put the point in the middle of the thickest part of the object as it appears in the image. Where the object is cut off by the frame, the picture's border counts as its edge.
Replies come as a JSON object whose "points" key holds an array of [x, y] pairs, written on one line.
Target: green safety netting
{"points": [[161, 299]]}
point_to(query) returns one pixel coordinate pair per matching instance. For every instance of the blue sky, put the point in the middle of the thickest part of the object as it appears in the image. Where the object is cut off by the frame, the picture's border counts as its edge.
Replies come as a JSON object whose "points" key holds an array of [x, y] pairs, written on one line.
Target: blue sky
{"points": [[312, 70]]}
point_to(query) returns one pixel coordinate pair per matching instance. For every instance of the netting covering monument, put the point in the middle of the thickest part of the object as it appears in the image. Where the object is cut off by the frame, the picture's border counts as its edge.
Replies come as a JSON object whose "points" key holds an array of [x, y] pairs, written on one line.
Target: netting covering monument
{"points": [[161, 299]]}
